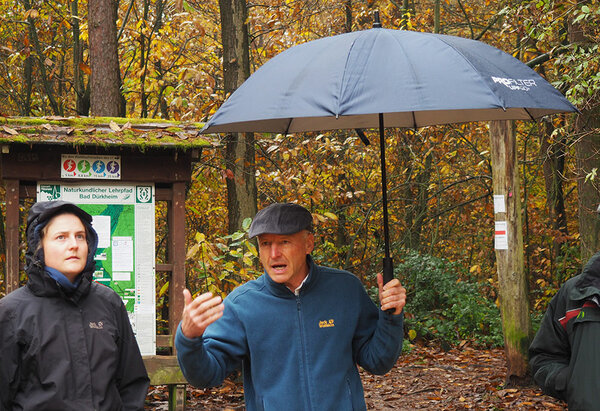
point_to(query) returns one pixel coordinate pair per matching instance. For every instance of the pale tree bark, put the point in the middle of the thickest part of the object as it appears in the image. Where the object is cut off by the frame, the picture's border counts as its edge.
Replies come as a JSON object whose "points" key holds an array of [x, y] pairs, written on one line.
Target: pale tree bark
{"points": [[512, 280], [240, 151], [105, 81]]}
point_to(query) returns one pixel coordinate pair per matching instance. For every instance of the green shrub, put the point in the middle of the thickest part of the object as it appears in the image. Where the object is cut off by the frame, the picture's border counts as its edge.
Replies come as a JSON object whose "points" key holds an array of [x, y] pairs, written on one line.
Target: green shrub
{"points": [[444, 305]]}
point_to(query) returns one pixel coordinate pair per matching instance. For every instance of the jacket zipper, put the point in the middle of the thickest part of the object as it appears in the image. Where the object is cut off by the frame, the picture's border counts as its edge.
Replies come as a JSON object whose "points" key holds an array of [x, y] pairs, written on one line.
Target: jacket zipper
{"points": [[303, 353]]}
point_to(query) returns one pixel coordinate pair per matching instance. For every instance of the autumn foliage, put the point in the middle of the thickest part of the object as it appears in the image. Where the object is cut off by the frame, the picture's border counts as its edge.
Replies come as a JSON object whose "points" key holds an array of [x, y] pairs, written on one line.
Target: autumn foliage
{"points": [[439, 177]]}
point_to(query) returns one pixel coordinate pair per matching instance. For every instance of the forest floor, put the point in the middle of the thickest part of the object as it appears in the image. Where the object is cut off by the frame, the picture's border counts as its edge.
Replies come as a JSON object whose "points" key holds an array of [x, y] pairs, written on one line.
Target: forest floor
{"points": [[426, 378]]}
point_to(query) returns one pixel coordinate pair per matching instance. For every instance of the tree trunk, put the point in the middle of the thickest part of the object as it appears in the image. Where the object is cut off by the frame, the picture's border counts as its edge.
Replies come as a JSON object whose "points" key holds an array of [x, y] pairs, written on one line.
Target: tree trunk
{"points": [[27, 74], [41, 60], [105, 90], [587, 126], [348, 13], [513, 289], [553, 154], [436, 17], [240, 152], [82, 102]]}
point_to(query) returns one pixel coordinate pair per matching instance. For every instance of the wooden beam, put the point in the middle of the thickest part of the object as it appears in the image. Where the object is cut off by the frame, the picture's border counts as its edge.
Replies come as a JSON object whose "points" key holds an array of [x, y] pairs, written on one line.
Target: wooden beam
{"points": [[164, 267], [12, 234], [177, 255], [44, 165], [163, 369]]}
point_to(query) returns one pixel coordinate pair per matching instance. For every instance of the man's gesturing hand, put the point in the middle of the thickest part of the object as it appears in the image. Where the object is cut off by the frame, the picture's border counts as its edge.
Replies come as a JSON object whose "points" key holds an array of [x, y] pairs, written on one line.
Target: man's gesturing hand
{"points": [[391, 295], [199, 313]]}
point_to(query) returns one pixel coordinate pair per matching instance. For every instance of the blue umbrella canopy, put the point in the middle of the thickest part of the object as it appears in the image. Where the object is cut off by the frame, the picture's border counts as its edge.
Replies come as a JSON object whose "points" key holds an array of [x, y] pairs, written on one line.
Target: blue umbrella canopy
{"points": [[386, 78], [414, 79]]}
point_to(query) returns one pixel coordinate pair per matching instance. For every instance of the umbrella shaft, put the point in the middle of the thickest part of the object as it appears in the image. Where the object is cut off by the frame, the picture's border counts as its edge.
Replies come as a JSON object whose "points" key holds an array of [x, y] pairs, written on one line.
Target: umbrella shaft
{"points": [[386, 229], [388, 268]]}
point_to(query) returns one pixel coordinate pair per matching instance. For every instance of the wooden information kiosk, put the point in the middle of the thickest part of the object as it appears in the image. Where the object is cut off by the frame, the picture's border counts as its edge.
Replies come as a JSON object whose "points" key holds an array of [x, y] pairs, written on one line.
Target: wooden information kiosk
{"points": [[33, 152]]}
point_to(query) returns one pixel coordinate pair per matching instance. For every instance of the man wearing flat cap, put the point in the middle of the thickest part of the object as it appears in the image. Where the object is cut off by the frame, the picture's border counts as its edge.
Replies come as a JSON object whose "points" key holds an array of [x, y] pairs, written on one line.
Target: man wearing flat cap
{"points": [[298, 331]]}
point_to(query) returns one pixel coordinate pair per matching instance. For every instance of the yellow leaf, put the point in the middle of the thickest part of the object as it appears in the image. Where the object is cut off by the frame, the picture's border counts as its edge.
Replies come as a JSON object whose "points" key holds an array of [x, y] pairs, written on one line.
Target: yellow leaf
{"points": [[412, 334], [200, 237], [192, 251], [330, 216], [163, 289], [252, 249]]}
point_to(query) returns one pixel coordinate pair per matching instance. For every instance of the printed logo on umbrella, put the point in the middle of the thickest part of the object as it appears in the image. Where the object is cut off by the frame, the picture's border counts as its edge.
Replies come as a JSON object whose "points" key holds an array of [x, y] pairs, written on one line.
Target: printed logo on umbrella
{"points": [[515, 84]]}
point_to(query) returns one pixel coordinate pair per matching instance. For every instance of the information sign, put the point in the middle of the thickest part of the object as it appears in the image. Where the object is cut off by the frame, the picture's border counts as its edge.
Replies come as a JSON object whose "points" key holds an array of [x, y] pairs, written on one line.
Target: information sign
{"points": [[123, 217]]}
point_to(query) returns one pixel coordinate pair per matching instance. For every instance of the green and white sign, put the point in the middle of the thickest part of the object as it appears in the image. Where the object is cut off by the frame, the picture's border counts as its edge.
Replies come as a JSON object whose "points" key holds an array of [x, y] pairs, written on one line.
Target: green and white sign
{"points": [[123, 217]]}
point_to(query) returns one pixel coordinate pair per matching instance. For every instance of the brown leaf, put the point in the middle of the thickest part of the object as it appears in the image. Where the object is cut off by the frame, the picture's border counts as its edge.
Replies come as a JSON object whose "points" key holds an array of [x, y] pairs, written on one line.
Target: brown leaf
{"points": [[114, 126], [10, 131], [85, 68]]}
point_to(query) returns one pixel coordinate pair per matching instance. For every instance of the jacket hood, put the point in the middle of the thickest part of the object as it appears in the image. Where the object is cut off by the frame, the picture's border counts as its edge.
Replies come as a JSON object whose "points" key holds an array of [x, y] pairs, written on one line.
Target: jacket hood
{"points": [[39, 216], [588, 284]]}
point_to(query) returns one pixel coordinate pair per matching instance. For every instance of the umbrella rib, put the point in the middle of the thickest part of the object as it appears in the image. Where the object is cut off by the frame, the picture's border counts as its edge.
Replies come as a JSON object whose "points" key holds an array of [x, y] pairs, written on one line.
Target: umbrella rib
{"points": [[287, 127], [528, 113]]}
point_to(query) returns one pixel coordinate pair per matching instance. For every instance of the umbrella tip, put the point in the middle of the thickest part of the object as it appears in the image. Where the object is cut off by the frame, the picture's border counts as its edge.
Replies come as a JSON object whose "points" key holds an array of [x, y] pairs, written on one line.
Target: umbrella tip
{"points": [[376, 22]]}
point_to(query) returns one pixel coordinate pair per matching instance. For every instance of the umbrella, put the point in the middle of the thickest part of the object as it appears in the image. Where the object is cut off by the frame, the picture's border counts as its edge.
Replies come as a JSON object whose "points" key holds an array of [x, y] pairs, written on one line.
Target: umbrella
{"points": [[381, 78]]}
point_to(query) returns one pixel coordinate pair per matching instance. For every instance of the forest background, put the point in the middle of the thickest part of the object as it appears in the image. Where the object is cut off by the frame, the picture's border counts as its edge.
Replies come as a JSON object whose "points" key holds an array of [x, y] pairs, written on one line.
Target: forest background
{"points": [[179, 60]]}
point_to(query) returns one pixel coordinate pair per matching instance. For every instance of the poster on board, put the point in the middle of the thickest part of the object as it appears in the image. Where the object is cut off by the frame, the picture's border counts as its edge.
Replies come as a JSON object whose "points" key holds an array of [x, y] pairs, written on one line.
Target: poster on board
{"points": [[124, 218]]}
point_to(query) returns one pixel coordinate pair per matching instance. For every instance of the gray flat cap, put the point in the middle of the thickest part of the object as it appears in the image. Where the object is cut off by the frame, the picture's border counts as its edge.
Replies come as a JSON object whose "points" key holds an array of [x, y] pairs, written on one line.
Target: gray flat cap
{"points": [[281, 218]]}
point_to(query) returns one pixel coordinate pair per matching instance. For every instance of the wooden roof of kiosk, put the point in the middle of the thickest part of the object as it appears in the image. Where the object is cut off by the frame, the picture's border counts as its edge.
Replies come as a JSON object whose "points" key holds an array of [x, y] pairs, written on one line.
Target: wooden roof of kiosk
{"points": [[155, 151]]}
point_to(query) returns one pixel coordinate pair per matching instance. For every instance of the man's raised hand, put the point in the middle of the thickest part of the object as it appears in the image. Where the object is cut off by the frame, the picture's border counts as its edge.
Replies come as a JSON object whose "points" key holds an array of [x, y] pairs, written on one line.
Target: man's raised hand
{"points": [[199, 313]]}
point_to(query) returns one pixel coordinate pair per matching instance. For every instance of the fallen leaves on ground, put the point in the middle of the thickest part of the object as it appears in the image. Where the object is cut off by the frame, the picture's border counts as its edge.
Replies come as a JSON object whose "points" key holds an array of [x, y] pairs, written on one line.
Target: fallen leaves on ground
{"points": [[426, 378]]}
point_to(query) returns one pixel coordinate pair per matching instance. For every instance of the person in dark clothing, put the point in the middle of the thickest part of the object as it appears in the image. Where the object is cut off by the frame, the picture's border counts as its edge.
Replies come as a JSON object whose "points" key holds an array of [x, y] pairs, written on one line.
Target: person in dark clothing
{"points": [[66, 342], [298, 331], [565, 354]]}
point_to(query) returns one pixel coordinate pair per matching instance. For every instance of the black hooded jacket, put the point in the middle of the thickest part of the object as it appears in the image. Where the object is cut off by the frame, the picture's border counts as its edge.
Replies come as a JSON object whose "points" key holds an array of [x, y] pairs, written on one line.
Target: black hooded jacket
{"points": [[565, 353], [67, 350]]}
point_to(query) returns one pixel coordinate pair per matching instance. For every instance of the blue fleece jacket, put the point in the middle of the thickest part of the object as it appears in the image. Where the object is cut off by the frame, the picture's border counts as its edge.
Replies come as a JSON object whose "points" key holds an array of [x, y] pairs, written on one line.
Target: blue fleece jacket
{"points": [[297, 352]]}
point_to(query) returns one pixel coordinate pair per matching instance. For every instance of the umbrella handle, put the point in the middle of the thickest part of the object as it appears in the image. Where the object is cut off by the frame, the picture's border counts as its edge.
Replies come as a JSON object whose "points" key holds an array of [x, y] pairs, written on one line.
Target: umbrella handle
{"points": [[388, 269], [388, 275]]}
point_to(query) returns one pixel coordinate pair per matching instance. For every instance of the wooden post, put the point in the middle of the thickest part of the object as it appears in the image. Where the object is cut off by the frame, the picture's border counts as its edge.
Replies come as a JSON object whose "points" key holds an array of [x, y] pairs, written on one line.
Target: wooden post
{"points": [[177, 255], [512, 281], [12, 235]]}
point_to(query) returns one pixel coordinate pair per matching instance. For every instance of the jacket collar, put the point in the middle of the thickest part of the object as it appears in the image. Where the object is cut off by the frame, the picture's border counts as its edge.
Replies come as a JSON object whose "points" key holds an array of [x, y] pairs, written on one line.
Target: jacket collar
{"points": [[281, 290], [43, 285]]}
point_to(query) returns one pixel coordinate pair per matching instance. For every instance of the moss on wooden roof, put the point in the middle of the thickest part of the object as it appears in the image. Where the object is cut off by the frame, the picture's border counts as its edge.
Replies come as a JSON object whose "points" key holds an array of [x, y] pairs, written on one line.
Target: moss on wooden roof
{"points": [[104, 132]]}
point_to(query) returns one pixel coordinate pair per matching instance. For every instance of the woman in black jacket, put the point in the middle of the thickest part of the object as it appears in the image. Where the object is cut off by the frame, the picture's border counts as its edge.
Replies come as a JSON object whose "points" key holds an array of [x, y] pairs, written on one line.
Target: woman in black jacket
{"points": [[66, 342]]}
